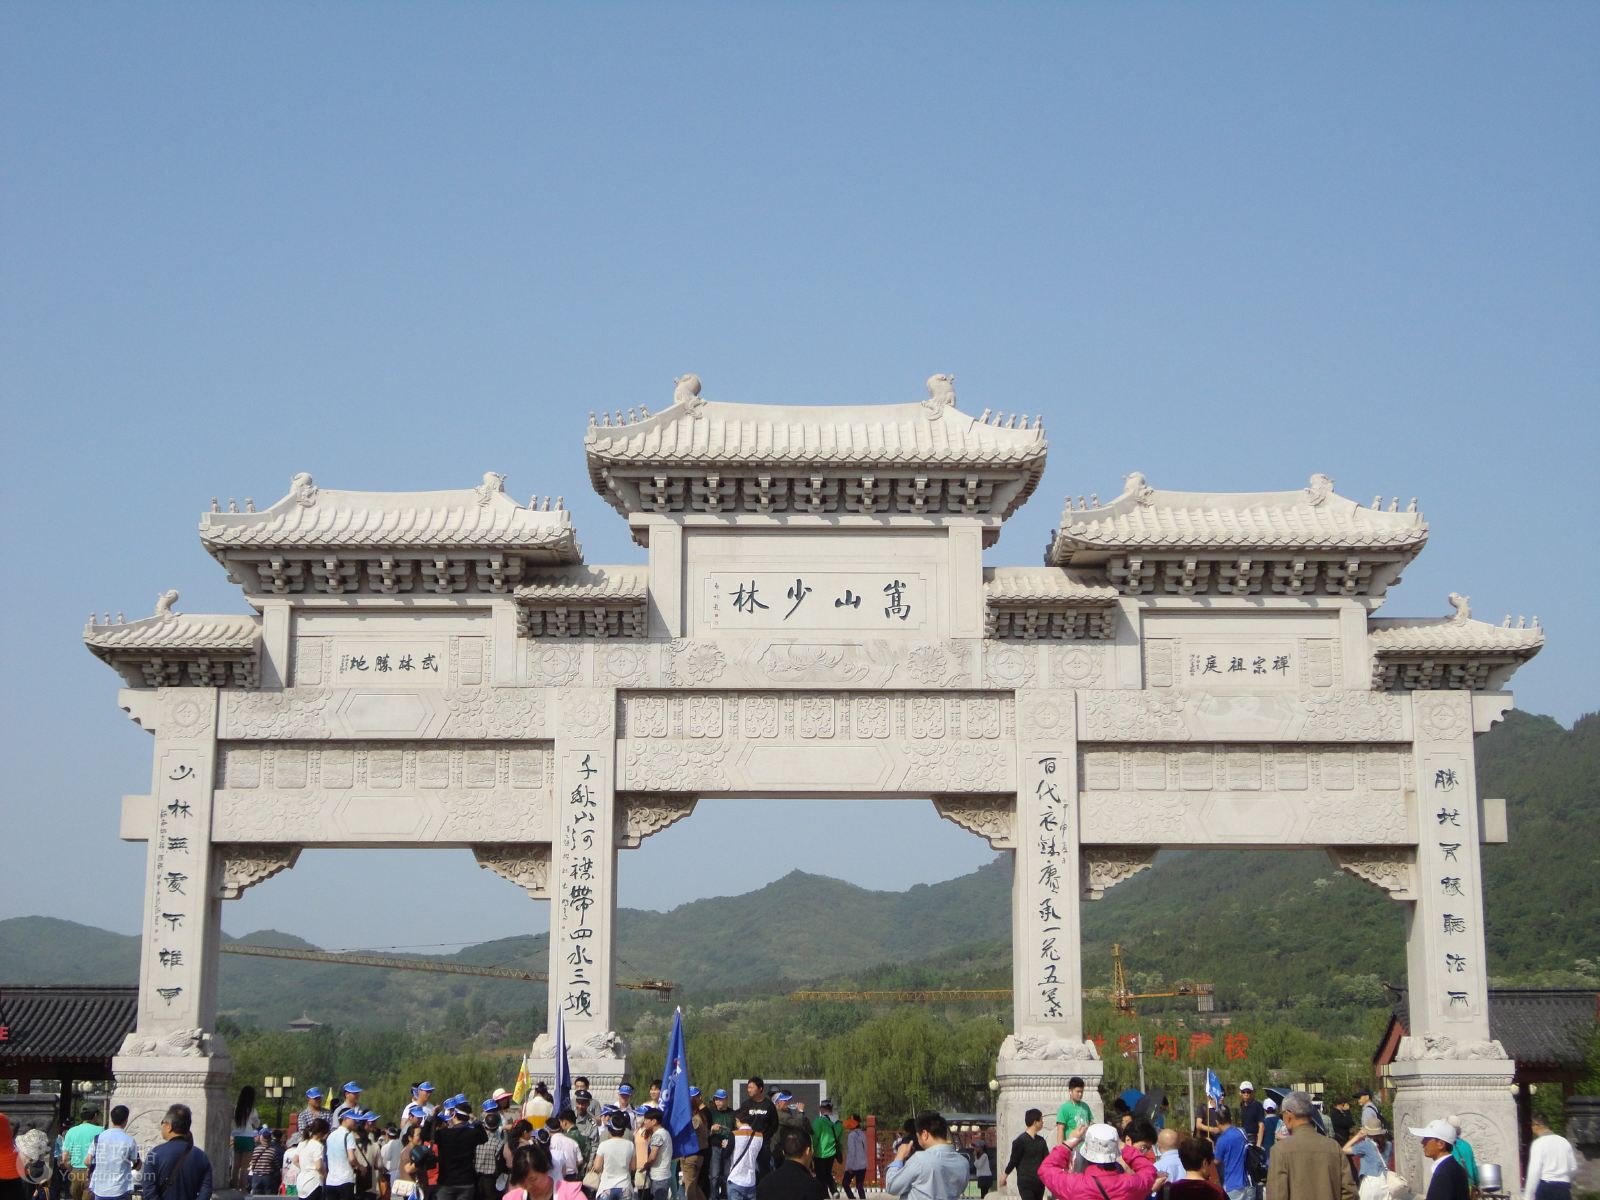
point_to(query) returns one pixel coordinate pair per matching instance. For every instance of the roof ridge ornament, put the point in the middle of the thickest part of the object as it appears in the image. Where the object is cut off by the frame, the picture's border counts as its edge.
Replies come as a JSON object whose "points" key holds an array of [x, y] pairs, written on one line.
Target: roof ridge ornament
{"points": [[1319, 489], [687, 393], [493, 484], [304, 489], [1134, 485], [1462, 605], [941, 395], [164, 603]]}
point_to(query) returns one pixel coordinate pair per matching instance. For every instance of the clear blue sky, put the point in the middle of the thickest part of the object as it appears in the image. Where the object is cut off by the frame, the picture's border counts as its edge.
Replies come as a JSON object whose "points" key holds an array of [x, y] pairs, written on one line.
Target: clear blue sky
{"points": [[399, 244]]}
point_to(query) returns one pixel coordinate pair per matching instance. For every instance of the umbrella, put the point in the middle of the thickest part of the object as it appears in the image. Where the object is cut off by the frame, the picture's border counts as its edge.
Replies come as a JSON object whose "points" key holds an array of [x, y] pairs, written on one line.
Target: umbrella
{"points": [[1150, 1103], [1131, 1097]]}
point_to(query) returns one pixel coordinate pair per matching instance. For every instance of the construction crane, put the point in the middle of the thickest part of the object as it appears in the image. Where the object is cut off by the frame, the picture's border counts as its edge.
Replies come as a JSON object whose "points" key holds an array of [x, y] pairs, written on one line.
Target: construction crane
{"points": [[929, 996], [1122, 999], [662, 988]]}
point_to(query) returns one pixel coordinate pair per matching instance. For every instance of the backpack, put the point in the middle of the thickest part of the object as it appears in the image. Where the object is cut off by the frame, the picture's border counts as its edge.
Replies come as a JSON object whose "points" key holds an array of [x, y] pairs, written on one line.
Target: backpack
{"points": [[423, 1157]]}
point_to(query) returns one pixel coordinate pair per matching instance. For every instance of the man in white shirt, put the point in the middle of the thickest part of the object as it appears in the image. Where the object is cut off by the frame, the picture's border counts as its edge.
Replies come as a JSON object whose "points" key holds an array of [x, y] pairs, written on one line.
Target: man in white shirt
{"points": [[1551, 1165], [566, 1156], [342, 1150]]}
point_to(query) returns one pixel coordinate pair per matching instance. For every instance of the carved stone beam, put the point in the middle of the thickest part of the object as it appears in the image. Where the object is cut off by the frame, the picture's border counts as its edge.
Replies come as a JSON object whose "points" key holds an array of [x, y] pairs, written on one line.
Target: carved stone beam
{"points": [[244, 866], [526, 865], [1106, 866], [640, 815], [1392, 868], [993, 818]]}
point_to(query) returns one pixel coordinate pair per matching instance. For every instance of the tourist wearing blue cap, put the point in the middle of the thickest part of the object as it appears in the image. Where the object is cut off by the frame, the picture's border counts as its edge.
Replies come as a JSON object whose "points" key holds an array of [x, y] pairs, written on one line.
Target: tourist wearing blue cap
{"points": [[458, 1144], [352, 1099], [313, 1111], [343, 1151], [720, 1114]]}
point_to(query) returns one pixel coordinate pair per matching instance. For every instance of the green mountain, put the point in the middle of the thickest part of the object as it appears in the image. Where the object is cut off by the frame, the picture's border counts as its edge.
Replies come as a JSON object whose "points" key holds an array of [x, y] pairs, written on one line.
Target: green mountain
{"points": [[1273, 930]]}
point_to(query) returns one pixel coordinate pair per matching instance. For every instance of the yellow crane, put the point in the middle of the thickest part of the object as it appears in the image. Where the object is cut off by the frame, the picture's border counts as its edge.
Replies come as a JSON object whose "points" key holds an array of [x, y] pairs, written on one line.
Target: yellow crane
{"points": [[662, 988], [1122, 999]]}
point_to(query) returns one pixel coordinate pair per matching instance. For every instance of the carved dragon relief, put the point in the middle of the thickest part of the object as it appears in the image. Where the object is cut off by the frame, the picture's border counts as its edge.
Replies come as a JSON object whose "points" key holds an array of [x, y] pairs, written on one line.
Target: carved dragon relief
{"points": [[640, 815], [244, 866], [1392, 868], [1106, 866], [993, 818], [526, 865]]}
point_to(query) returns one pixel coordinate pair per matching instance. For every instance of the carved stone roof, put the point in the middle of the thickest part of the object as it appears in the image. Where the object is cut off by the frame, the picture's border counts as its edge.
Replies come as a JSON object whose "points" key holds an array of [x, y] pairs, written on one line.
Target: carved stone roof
{"points": [[312, 517], [173, 649], [1047, 585], [1311, 519], [1438, 653], [635, 462], [1451, 635], [175, 633], [389, 543], [573, 584], [1048, 604], [584, 602]]}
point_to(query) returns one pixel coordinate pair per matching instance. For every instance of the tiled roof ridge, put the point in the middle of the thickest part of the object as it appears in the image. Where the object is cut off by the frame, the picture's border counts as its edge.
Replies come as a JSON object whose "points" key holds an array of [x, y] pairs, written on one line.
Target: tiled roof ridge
{"points": [[172, 630], [1310, 517], [311, 515], [932, 431]]}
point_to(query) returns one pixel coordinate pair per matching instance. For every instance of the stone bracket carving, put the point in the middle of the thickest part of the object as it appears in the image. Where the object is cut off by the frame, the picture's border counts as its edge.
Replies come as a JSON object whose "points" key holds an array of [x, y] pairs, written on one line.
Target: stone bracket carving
{"points": [[1392, 868], [597, 1047], [1034, 1048], [1106, 866], [526, 865], [245, 865], [640, 815], [993, 818], [1449, 1049]]}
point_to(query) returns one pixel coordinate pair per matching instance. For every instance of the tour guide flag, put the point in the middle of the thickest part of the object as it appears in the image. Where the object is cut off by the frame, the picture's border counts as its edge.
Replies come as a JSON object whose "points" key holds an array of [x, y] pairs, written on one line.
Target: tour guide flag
{"points": [[679, 1118], [562, 1095], [1213, 1086]]}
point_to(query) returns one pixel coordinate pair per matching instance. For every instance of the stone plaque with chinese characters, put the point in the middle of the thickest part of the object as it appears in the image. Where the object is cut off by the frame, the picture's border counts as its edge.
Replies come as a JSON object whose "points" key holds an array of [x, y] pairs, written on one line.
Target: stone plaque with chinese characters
{"points": [[1223, 664], [853, 600], [389, 661]]}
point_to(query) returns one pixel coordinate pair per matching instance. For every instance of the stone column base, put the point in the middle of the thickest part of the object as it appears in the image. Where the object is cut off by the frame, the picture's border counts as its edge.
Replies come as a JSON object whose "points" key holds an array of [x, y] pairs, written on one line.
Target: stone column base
{"points": [[1439, 1077], [1033, 1073], [149, 1082], [603, 1061]]}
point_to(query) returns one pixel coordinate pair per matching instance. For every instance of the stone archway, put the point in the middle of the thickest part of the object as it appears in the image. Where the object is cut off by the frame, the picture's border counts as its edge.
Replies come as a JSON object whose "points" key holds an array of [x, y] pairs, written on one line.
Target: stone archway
{"points": [[815, 618]]}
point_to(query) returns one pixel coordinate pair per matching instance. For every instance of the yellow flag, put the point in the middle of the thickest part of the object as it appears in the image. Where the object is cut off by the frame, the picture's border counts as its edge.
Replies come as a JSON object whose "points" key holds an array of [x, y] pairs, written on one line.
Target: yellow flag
{"points": [[520, 1091]]}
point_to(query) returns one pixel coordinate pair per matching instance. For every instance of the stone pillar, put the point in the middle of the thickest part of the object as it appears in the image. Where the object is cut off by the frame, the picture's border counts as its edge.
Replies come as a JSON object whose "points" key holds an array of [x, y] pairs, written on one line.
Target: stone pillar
{"points": [[583, 892], [174, 1054], [1449, 1064], [1048, 1047]]}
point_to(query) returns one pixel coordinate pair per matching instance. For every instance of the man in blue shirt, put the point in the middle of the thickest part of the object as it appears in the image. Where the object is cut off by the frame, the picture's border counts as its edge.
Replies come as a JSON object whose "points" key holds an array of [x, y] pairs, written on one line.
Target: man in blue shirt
{"points": [[1230, 1154], [113, 1158], [177, 1169]]}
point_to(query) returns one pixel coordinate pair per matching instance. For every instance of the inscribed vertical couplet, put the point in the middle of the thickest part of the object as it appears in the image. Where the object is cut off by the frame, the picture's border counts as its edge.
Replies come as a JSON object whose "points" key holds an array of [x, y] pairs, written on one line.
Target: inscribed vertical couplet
{"points": [[583, 870], [181, 908], [1046, 884], [1445, 947]]}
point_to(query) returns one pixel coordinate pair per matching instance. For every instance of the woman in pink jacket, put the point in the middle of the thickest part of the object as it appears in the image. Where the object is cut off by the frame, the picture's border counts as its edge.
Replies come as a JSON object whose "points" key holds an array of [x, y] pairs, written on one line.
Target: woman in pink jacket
{"points": [[1111, 1171]]}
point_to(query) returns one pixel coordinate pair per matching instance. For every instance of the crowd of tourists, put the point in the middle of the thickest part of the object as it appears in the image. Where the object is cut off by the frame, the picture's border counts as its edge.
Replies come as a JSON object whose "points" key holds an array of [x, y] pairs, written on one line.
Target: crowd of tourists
{"points": [[1280, 1147]]}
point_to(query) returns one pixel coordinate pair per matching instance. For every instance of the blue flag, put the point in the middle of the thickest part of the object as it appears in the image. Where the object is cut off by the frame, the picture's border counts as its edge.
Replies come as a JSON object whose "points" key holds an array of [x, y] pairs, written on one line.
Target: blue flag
{"points": [[562, 1095], [679, 1119], [1213, 1086]]}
